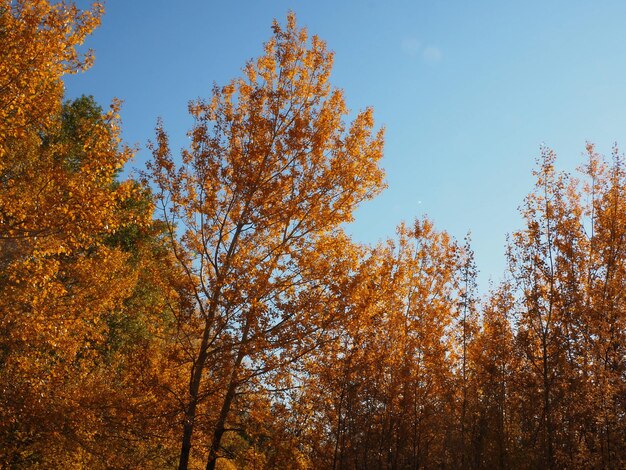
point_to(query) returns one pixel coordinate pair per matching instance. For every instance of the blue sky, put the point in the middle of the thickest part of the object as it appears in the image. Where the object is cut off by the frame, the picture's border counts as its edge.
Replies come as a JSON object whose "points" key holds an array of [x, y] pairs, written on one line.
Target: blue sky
{"points": [[468, 91]]}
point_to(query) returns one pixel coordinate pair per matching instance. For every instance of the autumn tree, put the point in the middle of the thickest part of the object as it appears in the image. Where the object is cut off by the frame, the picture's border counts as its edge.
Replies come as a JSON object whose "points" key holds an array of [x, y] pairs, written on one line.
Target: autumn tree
{"points": [[602, 326], [253, 209], [465, 332], [68, 272], [495, 436], [57, 256], [567, 262], [383, 387], [538, 262]]}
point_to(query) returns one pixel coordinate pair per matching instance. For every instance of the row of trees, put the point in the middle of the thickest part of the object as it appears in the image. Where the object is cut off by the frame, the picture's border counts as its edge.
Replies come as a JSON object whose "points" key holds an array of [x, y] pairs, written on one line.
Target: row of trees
{"points": [[212, 313], [530, 377]]}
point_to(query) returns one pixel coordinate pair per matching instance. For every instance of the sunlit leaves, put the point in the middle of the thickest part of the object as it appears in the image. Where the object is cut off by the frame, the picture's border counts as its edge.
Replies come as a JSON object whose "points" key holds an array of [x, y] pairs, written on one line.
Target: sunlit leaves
{"points": [[254, 210]]}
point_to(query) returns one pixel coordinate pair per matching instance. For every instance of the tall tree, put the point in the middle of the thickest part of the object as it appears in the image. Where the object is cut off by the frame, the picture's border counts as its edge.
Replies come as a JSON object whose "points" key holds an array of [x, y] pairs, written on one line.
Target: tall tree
{"points": [[550, 261], [494, 357], [535, 268], [60, 205], [67, 269], [383, 386], [466, 329], [602, 323], [254, 212]]}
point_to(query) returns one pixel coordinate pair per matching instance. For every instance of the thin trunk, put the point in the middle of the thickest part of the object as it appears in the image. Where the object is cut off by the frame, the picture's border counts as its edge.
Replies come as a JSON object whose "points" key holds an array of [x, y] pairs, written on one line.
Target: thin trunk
{"points": [[501, 421], [194, 389], [544, 339], [336, 453], [547, 406], [190, 412], [220, 426], [464, 402], [198, 369]]}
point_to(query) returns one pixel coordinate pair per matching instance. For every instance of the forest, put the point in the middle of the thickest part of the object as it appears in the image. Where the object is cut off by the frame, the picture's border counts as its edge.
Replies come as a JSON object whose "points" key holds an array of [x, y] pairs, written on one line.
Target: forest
{"points": [[210, 311]]}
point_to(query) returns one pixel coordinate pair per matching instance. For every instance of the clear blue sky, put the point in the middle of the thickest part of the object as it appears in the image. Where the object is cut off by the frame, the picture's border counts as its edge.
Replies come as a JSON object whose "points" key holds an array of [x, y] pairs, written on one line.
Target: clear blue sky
{"points": [[468, 91]]}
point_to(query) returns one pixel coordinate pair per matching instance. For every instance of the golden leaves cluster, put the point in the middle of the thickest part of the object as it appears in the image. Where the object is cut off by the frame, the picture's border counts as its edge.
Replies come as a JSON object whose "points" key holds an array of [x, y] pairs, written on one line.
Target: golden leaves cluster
{"points": [[72, 254], [39, 46]]}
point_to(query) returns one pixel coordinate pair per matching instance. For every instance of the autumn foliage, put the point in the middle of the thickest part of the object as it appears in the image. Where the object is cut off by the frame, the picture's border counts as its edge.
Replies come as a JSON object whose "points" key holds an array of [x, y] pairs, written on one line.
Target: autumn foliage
{"points": [[213, 313]]}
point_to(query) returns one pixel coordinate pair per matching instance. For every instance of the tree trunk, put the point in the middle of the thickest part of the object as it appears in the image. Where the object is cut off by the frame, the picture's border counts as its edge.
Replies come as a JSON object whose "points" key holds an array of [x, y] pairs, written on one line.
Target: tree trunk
{"points": [[194, 386], [190, 412], [547, 406], [220, 426]]}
